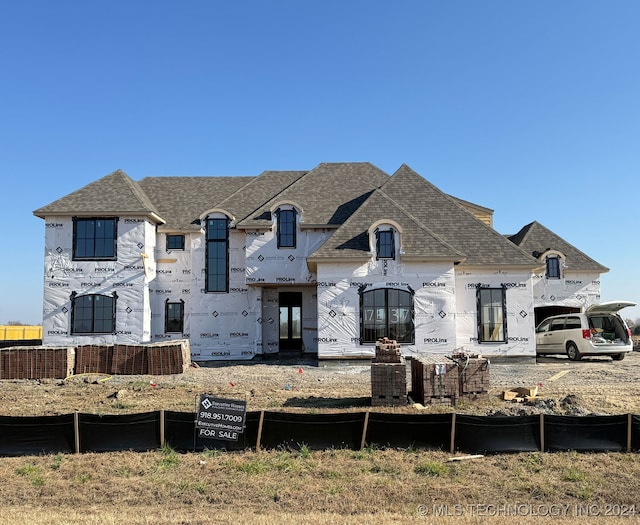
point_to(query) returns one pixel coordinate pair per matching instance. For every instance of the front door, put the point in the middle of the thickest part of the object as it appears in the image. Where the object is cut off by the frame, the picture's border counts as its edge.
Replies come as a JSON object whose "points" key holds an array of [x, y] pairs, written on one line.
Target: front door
{"points": [[290, 321]]}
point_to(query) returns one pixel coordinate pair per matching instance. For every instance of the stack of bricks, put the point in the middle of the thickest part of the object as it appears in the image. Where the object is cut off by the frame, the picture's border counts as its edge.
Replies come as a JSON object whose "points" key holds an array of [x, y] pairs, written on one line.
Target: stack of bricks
{"points": [[441, 380], [129, 360], [94, 359], [388, 375], [154, 359], [434, 381], [36, 363], [474, 376]]}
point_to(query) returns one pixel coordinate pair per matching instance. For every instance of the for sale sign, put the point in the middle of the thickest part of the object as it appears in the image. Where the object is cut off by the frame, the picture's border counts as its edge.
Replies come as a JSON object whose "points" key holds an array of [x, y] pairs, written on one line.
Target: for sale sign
{"points": [[219, 418]]}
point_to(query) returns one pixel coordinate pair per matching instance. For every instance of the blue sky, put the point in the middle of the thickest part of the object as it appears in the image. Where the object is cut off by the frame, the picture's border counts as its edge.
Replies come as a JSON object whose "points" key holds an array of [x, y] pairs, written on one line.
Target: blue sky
{"points": [[529, 108]]}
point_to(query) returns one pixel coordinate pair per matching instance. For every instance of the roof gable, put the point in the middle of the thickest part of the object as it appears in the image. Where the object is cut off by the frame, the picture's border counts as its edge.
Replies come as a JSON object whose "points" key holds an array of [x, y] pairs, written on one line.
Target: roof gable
{"points": [[450, 221], [352, 238], [113, 194], [259, 190], [328, 194], [182, 200], [535, 239]]}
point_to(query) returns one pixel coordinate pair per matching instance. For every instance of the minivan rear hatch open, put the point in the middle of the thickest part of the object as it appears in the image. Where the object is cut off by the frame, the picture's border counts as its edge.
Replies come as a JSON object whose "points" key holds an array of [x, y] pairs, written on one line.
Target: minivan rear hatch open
{"points": [[610, 307]]}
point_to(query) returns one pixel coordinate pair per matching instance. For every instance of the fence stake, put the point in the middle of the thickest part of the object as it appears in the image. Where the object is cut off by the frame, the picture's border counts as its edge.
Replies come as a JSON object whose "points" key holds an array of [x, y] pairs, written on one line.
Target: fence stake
{"points": [[364, 429], [162, 427], [542, 433], [260, 422], [629, 427], [76, 431], [452, 447]]}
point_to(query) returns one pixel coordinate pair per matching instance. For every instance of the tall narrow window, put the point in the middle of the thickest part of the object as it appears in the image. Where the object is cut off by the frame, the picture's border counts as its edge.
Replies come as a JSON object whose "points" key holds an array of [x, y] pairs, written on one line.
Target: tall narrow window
{"points": [[553, 267], [286, 228], [174, 317], [94, 239], [93, 314], [387, 312], [385, 245], [492, 315], [217, 267]]}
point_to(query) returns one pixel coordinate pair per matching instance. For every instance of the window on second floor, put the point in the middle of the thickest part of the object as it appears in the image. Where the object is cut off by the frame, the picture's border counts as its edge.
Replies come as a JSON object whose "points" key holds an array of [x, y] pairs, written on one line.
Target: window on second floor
{"points": [[94, 239], [174, 317], [553, 267], [385, 244], [492, 315], [93, 313], [286, 228], [217, 259], [175, 242]]}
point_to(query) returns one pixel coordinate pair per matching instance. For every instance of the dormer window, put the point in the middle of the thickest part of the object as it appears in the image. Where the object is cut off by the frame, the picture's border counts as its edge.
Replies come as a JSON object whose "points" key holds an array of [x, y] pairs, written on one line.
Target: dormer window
{"points": [[385, 244], [286, 228], [553, 267]]}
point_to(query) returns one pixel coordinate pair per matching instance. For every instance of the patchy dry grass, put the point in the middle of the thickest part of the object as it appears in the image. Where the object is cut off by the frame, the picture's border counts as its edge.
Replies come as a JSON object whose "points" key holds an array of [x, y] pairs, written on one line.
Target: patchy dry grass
{"points": [[333, 486], [316, 487]]}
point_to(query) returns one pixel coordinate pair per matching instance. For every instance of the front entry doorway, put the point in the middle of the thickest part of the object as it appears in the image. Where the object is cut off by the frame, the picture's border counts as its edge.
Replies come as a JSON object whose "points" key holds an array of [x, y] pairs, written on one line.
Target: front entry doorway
{"points": [[290, 321]]}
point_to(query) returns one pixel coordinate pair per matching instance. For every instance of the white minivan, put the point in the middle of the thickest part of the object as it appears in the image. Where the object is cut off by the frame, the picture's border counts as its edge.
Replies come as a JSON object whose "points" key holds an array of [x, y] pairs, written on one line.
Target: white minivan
{"points": [[600, 330]]}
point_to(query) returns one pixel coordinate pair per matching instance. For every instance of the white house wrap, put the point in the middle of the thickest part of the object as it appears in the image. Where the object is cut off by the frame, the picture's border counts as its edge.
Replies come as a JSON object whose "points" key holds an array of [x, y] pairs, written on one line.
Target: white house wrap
{"points": [[323, 262]]}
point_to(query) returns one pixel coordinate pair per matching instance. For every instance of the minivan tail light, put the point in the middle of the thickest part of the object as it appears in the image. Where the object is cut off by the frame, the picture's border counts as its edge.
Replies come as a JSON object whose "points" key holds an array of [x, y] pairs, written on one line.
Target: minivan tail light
{"points": [[586, 334], [629, 332]]}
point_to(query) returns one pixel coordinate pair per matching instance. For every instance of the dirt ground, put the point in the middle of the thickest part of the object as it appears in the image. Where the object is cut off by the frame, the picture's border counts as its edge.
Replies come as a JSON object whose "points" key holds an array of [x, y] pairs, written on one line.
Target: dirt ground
{"points": [[591, 386]]}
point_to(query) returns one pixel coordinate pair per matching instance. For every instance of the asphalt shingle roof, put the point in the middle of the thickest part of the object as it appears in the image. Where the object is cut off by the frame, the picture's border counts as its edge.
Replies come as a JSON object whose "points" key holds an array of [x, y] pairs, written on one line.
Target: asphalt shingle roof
{"points": [[450, 221], [535, 239], [348, 196], [181, 200], [114, 194], [256, 192], [328, 194], [352, 238]]}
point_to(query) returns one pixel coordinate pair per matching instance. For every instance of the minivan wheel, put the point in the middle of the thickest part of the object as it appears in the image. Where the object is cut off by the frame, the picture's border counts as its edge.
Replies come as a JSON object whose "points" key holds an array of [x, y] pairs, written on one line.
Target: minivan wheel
{"points": [[617, 357], [572, 352]]}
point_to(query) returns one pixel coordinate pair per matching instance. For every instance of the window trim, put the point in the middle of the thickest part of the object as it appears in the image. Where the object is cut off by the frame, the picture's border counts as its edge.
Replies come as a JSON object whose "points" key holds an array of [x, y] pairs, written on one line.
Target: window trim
{"points": [[174, 236], [279, 227], [209, 243], [503, 311], [74, 297], [93, 257], [412, 332], [167, 303]]}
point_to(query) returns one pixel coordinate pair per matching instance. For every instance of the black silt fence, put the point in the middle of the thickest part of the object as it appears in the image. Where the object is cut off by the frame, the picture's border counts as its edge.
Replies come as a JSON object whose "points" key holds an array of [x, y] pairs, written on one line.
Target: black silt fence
{"points": [[586, 433], [78, 433], [487, 435], [426, 431], [28, 436], [315, 431], [112, 433]]}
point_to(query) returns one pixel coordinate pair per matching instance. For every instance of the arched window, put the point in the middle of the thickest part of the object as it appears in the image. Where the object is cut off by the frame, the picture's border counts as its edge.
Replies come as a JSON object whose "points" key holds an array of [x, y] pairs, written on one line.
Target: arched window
{"points": [[93, 313], [386, 312]]}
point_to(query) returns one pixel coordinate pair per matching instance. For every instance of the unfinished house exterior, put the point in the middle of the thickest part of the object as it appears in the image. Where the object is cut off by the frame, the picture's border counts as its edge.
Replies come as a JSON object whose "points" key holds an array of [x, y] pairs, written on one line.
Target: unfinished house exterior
{"points": [[320, 262]]}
